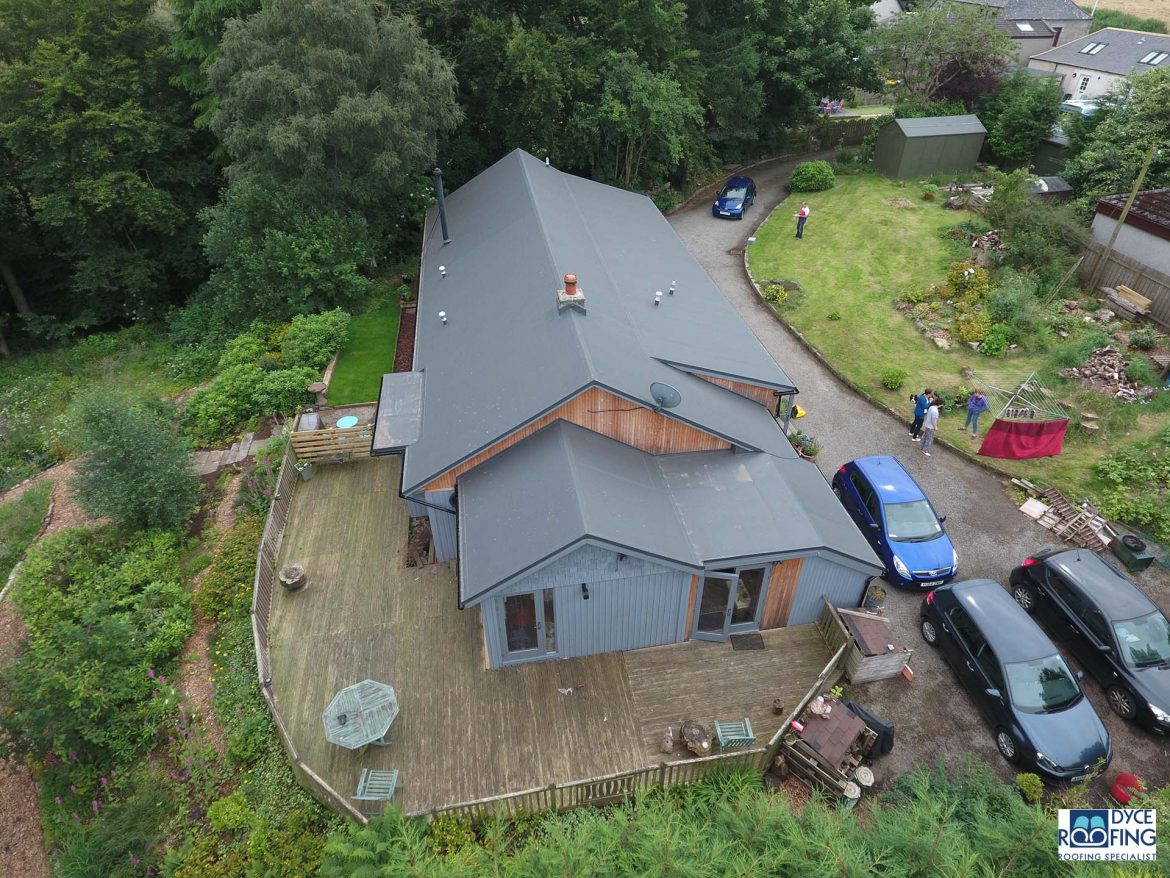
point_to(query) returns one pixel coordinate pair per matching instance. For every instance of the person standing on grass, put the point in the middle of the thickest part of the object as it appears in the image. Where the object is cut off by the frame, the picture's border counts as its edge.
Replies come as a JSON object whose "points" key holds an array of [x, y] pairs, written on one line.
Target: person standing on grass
{"points": [[929, 426], [801, 217], [921, 404], [976, 406]]}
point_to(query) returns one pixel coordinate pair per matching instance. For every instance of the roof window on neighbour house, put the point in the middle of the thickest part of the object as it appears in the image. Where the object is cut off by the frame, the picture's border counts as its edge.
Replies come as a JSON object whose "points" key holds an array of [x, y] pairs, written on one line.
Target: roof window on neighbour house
{"points": [[1154, 58], [1024, 26], [1093, 48]]}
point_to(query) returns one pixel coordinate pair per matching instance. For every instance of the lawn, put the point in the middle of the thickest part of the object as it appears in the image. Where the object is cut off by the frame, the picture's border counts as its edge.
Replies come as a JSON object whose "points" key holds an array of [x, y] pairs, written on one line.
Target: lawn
{"points": [[367, 355], [859, 252], [20, 519]]}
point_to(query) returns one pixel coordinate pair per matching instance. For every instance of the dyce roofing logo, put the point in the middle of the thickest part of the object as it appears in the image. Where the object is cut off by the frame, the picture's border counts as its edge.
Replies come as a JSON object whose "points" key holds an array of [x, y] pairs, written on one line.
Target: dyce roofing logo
{"points": [[1107, 834]]}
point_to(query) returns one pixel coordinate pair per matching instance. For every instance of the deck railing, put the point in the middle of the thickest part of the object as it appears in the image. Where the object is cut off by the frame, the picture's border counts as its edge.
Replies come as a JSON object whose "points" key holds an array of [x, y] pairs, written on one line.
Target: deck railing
{"points": [[334, 444], [262, 586]]}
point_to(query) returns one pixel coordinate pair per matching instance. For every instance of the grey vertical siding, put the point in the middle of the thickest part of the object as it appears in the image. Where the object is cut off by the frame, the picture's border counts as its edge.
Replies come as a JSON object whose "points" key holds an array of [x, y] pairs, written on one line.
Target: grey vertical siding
{"points": [[822, 577], [491, 616], [623, 614], [414, 509], [443, 526]]}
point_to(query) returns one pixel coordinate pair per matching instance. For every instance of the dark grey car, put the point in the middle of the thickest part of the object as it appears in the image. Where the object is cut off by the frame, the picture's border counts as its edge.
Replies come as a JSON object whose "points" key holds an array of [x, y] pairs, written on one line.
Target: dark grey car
{"points": [[1017, 679], [1108, 624]]}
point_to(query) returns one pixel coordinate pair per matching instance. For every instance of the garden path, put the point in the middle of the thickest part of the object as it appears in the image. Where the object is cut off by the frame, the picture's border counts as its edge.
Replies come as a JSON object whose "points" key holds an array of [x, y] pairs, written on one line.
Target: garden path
{"points": [[934, 718]]}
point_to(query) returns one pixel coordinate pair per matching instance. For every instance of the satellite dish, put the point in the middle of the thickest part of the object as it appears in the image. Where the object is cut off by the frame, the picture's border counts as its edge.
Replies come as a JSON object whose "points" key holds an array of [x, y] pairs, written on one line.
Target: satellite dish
{"points": [[665, 396]]}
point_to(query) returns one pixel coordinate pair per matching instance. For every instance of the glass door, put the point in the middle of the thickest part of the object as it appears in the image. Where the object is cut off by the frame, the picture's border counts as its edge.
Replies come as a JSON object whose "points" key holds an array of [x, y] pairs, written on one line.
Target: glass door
{"points": [[748, 599], [529, 625], [730, 602]]}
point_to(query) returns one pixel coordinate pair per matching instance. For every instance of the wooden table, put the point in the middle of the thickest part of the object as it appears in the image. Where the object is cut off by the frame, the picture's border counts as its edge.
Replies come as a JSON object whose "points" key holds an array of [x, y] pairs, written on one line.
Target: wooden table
{"points": [[832, 736]]}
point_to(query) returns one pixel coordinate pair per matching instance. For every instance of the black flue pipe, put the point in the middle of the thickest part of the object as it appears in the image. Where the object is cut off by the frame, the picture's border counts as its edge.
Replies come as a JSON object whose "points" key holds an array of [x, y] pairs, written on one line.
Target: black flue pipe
{"points": [[438, 175]]}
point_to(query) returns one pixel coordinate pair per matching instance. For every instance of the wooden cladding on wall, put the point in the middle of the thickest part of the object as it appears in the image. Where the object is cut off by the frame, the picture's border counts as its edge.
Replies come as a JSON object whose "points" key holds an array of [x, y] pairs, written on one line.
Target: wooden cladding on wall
{"points": [[603, 412], [691, 608], [765, 396], [781, 591]]}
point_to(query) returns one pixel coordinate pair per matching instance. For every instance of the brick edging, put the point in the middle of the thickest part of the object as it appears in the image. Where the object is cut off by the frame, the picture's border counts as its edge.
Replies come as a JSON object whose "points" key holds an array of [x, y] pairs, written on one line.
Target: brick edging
{"points": [[836, 373]]}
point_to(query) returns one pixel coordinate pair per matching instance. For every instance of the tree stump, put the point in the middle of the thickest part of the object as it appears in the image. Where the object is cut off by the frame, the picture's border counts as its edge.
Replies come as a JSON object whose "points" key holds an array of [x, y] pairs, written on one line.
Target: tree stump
{"points": [[696, 737], [318, 388], [293, 577], [777, 707]]}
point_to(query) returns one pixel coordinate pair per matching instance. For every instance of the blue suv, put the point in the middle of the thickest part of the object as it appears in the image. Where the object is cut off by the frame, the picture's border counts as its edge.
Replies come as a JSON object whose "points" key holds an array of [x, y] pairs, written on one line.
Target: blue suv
{"points": [[899, 522]]}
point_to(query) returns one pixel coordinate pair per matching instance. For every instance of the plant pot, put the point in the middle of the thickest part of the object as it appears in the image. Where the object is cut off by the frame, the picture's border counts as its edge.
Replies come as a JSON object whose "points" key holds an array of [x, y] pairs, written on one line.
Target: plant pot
{"points": [[306, 472], [875, 598]]}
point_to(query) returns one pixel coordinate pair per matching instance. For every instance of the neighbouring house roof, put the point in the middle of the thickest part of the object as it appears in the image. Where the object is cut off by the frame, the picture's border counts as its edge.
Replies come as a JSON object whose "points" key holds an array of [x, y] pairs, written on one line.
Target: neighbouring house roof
{"points": [[937, 126], [507, 354], [1150, 211], [1027, 10], [1121, 53], [565, 486], [1024, 28]]}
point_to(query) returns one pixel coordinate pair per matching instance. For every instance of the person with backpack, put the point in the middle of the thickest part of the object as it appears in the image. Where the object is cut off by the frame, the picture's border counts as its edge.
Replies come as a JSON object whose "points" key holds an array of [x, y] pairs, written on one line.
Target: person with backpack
{"points": [[921, 404]]}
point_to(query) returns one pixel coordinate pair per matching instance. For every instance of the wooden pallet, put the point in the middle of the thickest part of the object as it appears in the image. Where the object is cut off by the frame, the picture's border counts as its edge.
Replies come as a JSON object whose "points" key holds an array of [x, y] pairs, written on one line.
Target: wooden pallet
{"points": [[1074, 524]]}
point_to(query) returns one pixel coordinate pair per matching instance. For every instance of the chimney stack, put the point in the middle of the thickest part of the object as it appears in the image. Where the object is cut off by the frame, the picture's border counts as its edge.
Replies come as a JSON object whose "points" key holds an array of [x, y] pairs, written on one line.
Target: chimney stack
{"points": [[571, 296], [438, 175]]}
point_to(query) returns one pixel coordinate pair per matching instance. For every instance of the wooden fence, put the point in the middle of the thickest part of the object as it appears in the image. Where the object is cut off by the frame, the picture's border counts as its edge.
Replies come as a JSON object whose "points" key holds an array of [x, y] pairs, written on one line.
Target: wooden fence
{"points": [[1119, 269], [334, 444], [262, 586]]}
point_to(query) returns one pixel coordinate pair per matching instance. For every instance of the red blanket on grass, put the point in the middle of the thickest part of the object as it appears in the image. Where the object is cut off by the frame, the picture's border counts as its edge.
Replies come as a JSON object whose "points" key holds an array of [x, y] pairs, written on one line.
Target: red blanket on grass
{"points": [[1020, 440]]}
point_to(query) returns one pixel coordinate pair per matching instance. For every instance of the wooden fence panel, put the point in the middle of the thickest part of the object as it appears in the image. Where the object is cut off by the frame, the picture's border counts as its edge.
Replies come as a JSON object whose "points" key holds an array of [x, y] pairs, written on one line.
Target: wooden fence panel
{"points": [[1122, 270], [333, 443]]}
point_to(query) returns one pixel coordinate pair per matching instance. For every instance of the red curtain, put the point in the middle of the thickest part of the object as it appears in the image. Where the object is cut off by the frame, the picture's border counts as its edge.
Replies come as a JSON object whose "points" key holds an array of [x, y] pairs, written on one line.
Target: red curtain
{"points": [[1019, 440]]}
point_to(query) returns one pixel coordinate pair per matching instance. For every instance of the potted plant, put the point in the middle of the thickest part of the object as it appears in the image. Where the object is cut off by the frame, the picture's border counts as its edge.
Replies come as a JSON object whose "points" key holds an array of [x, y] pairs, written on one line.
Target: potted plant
{"points": [[875, 597], [305, 468], [806, 446]]}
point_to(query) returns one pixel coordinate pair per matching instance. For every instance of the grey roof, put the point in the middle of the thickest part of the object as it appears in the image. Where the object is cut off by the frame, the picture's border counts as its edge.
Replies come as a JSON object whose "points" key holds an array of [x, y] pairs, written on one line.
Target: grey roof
{"points": [[936, 126], [1122, 55], [565, 485], [507, 355], [399, 415], [1035, 28], [1047, 10]]}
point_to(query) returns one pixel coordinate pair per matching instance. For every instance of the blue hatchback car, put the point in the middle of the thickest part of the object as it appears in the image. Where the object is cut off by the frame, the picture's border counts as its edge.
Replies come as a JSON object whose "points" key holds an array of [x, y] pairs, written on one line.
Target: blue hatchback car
{"points": [[899, 522], [736, 196]]}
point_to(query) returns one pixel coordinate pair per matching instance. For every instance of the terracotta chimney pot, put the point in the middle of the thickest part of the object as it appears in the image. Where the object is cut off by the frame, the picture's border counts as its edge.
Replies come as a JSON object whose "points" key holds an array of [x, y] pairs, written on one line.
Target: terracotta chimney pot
{"points": [[570, 284]]}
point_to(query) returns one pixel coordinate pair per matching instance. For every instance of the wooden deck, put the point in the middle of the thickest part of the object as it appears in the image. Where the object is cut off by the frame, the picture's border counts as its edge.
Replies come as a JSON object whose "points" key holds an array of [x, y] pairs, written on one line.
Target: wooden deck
{"points": [[465, 732]]}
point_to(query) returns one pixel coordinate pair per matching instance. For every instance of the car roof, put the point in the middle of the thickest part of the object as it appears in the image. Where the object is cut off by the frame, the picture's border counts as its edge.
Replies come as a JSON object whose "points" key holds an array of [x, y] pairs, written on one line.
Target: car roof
{"points": [[889, 478], [738, 180], [1012, 633], [1114, 594]]}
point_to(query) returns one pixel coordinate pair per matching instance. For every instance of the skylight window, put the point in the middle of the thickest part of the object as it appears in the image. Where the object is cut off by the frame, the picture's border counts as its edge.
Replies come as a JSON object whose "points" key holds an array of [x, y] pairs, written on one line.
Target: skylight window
{"points": [[1154, 58], [1093, 48], [1024, 26]]}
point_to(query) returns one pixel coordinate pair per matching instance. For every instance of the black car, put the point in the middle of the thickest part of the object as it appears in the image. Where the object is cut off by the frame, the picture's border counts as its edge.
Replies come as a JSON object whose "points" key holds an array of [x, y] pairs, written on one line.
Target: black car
{"points": [[1109, 626], [1017, 679]]}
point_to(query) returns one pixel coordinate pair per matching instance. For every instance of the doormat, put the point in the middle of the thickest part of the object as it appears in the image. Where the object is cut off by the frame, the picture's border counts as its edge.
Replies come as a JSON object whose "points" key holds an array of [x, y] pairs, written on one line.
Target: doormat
{"points": [[754, 640]]}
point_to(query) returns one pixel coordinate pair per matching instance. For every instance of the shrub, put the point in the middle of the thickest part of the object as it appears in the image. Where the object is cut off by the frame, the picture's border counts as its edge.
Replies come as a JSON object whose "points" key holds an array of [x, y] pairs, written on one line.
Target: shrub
{"points": [[973, 326], [1141, 370], [1031, 786], [260, 482], [449, 833], [314, 338], [774, 294], [194, 363], [137, 466], [812, 177], [226, 588], [244, 391], [969, 281], [246, 742], [229, 813], [997, 340], [245, 349], [105, 618], [930, 192], [894, 379], [1143, 339], [834, 315], [20, 520], [284, 391]]}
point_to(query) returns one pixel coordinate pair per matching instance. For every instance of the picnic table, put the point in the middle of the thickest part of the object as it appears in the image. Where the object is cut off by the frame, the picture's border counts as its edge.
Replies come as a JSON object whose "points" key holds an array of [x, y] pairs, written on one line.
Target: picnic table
{"points": [[360, 714]]}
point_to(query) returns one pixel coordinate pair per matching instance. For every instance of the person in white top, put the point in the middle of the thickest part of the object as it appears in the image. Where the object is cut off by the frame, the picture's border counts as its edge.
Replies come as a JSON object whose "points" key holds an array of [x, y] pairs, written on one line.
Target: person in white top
{"points": [[801, 217], [929, 426]]}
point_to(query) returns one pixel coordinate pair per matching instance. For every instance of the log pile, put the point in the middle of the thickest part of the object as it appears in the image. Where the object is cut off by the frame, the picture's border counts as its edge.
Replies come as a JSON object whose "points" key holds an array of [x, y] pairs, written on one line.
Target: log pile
{"points": [[992, 240], [1104, 372]]}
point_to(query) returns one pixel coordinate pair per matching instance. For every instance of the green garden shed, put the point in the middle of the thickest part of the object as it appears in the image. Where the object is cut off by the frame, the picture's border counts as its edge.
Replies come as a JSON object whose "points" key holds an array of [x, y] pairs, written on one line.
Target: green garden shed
{"points": [[922, 147]]}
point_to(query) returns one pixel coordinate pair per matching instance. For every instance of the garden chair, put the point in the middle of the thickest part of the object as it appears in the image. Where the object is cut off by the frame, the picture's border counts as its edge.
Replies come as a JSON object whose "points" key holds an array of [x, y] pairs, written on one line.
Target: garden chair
{"points": [[734, 736], [375, 786]]}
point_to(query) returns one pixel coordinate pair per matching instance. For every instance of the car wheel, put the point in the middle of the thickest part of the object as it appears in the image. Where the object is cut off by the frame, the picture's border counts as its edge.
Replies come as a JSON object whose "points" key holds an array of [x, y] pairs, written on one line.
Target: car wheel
{"points": [[1007, 746], [1024, 596], [1122, 702], [929, 632]]}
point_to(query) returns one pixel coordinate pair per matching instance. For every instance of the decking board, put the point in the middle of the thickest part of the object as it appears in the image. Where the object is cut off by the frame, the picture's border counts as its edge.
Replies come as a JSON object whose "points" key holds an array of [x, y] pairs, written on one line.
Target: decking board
{"points": [[464, 732]]}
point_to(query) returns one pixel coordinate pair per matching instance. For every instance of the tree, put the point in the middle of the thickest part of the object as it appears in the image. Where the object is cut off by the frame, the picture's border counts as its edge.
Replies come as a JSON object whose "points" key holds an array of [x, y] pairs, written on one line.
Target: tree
{"points": [[1110, 146], [136, 467], [1019, 114], [935, 52], [338, 101], [199, 26], [100, 173]]}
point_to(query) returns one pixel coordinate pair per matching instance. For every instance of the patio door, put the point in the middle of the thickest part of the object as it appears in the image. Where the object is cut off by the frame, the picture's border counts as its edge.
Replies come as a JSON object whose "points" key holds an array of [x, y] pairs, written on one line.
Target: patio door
{"points": [[730, 602], [529, 625]]}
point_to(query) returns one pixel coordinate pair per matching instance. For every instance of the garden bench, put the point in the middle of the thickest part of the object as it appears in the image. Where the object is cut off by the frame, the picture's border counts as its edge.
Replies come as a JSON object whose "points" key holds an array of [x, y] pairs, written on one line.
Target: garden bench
{"points": [[375, 786], [735, 736]]}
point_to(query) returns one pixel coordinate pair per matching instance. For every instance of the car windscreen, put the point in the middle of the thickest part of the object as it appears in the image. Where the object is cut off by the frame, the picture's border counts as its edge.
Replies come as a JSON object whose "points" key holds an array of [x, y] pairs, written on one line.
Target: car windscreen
{"points": [[1042, 686], [1144, 641], [912, 522], [734, 192]]}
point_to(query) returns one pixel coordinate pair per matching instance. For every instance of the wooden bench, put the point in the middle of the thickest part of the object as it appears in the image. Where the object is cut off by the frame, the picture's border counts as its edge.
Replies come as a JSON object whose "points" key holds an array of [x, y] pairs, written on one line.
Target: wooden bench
{"points": [[735, 736], [375, 786]]}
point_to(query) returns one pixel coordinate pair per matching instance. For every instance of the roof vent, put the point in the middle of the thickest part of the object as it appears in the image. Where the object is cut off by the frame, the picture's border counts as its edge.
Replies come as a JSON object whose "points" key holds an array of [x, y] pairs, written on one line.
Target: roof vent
{"points": [[571, 296]]}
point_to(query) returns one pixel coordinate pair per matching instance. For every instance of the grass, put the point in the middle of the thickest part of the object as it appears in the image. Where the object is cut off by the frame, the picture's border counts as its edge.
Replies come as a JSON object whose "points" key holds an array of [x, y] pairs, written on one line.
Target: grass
{"points": [[872, 110], [20, 519], [858, 253], [367, 355]]}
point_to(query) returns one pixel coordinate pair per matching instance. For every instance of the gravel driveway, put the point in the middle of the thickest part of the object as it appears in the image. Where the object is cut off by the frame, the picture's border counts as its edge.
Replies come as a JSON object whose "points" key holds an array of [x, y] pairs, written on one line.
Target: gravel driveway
{"points": [[934, 717]]}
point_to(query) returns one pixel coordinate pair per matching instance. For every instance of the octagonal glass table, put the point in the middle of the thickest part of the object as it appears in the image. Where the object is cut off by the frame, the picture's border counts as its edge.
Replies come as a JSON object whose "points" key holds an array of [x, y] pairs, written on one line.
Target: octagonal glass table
{"points": [[360, 714]]}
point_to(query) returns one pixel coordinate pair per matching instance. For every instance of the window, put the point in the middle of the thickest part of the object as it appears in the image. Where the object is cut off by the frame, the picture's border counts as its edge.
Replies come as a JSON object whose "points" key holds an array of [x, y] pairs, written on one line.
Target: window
{"points": [[912, 522], [965, 629], [990, 665], [1145, 641], [868, 498], [1093, 48], [1042, 686], [1096, 623], [1084, 84], [1154, 58], [1024, 26], [1072, 599]]}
